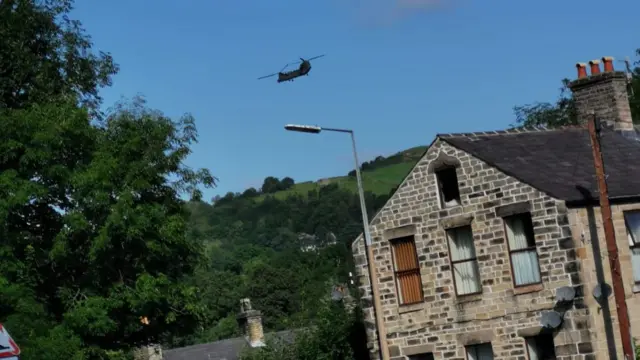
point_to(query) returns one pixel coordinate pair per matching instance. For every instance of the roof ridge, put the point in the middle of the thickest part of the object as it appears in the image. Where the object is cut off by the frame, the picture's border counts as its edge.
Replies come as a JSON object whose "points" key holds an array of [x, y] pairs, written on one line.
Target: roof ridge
{"points": [[510, 131]]}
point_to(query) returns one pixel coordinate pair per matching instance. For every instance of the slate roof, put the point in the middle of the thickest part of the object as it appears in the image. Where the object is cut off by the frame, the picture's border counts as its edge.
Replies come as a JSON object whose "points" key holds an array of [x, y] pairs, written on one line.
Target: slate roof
{"points": [[559, 162], [228, 349]]}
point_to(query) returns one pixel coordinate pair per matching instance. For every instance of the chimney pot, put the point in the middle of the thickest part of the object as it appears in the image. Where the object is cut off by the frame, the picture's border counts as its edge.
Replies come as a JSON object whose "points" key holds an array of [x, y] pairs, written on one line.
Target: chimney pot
{"points": [[604, 95], [608, 63], [582, 70], [595, 67]]}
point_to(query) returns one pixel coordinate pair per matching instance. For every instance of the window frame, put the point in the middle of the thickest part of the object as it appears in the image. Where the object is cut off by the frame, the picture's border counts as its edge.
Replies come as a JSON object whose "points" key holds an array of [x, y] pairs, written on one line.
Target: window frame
{"points": [[511, 252], [475, 346], [632, 242], [417, 270], [452, 263], [439, 183], [527, 339]]}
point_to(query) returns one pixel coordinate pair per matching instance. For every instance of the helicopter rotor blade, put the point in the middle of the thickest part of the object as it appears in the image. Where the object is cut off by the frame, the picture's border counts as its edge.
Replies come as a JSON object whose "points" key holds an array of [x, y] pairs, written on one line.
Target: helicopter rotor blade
{"points": [[267, 76], [291, 63], [316, 57], [286, 66]]}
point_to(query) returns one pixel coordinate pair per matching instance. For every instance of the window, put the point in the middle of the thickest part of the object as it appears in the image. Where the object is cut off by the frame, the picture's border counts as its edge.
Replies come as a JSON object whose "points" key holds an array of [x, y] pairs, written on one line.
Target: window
{"points": [[522, 250], [463, 260], [427, 356], [448, 186], [407, 271], [480, 352], [632, 219], [541, 347]]}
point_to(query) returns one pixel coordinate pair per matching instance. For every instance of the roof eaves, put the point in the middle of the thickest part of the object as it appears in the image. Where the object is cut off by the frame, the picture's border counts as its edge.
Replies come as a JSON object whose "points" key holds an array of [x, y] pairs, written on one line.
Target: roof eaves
{"points": [[513, 130], [404, 179]]}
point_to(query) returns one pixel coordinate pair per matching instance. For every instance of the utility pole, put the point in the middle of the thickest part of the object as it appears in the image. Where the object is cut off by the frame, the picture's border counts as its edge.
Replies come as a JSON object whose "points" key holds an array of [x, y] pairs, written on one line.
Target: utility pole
{"points": [[610, 237]]}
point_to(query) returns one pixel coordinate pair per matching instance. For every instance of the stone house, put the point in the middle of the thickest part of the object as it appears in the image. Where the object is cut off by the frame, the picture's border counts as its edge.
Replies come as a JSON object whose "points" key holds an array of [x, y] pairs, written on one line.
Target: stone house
{"points": [[490, 229]]}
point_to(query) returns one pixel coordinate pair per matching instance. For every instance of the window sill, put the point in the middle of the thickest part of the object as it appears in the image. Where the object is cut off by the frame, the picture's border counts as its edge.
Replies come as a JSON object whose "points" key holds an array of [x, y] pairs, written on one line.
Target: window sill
{"points": [[403, 309], [462, 299], [636, 288], [528, 289]]}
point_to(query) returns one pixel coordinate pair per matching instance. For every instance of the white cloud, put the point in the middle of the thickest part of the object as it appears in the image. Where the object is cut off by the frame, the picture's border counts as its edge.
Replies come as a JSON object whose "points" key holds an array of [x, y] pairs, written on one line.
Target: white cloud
{"points": [[388, 12]]}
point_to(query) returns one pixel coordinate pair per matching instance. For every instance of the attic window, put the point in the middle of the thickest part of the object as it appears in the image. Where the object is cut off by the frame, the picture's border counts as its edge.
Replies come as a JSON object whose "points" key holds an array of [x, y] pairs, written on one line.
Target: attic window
{"points": [[448, 187]]}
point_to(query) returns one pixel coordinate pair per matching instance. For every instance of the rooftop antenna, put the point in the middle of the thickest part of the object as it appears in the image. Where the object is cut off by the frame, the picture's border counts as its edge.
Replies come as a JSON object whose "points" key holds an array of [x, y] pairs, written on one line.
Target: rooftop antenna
{"points": [[627, 63]]}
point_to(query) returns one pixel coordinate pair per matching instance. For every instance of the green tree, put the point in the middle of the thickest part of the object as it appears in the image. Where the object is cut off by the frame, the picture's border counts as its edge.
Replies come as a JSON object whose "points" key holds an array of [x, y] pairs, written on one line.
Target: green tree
{"points": [[270, 185], [94, 231], [563, 112], [44, 54], [286, 183]]}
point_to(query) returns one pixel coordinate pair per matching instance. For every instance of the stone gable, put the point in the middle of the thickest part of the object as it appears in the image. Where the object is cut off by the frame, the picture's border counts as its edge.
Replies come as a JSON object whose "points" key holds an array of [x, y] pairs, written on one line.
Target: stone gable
{"points": [[502, 314]]}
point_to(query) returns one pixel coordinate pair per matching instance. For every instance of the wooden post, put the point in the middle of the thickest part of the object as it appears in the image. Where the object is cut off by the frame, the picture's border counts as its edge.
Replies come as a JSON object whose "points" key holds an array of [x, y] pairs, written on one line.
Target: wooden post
{"points": [[610, 237]]}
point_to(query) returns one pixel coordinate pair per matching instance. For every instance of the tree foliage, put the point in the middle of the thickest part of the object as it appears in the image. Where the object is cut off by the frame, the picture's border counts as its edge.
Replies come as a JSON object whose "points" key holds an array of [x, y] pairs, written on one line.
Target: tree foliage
{"points": [[44, 54], [94, 232], [563, 112], [257, 248]]}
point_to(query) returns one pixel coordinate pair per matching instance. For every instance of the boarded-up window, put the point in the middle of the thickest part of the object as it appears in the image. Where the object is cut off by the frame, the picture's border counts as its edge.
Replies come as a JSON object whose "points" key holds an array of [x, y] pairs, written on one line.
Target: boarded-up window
{"points": [[407, 270]]}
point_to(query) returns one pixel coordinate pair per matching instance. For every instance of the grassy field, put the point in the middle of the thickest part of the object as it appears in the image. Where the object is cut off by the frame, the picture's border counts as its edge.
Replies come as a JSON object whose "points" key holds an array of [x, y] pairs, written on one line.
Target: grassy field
{"points": [[379, 181]]}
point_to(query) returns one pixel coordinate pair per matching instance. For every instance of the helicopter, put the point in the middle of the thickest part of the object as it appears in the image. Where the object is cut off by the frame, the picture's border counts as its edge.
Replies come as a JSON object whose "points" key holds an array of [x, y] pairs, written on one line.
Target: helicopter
{"points": [[303, 69]]}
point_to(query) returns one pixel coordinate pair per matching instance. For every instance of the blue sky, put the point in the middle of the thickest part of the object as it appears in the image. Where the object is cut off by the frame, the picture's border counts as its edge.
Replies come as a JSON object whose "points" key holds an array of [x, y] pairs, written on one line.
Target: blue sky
{"points": [[396, 71]]}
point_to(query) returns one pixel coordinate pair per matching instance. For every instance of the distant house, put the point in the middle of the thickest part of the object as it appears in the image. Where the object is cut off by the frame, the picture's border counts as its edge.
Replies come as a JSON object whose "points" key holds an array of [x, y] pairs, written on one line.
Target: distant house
{"points": [[311, 243], [250, 321], [489, 227]]}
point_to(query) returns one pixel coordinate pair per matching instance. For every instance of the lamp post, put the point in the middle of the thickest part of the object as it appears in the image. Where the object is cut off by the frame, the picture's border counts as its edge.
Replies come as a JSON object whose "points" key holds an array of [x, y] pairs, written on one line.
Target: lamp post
{"points": [[377, 312]]}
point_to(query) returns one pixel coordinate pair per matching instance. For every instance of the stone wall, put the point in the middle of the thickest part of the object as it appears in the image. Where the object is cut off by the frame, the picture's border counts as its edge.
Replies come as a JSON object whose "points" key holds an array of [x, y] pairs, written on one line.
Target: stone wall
{"points": [[444, 323], [592, 252], [150, 352]]}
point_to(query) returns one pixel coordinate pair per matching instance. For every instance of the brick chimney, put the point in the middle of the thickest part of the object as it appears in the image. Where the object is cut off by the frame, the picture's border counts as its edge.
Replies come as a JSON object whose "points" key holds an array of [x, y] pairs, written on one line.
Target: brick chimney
{"points": [[250, 322], [604, 92]]}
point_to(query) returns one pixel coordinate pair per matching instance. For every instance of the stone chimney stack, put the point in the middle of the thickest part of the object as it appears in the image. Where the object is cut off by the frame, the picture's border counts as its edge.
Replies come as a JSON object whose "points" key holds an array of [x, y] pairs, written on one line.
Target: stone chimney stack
{"points": [[604, 92], [250, 322], [149, 352]]}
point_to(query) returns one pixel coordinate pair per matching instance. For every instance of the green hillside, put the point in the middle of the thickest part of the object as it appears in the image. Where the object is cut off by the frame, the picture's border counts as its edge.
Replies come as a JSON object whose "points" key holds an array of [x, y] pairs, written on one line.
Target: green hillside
{"points": [[380, 175]]}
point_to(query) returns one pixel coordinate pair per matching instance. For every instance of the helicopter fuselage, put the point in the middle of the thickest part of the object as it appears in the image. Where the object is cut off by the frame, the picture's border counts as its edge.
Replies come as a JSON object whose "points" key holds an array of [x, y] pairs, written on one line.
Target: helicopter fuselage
{"points": [[304, 69]]}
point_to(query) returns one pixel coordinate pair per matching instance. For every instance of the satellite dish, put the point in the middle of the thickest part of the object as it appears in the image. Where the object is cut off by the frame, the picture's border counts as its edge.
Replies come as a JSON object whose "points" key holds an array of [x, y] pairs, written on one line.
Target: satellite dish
{"points": [[601, 291], [550, 320], [565, 294]]}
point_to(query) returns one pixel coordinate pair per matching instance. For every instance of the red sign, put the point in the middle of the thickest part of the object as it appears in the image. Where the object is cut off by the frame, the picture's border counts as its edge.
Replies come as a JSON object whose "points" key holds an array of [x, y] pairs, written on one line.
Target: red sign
{"points": [[8, 347]]}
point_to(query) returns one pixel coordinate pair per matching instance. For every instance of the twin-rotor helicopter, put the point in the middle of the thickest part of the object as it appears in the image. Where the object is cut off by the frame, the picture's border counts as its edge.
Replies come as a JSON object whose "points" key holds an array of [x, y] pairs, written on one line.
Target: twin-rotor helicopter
{"points": [[303, 69]]}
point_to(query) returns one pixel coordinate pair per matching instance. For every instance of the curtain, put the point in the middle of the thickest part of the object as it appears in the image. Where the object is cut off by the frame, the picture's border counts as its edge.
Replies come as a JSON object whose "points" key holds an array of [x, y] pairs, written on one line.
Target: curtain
{"points": [[633, 229], [532, 349], [525, 263], [480, 352], [466, 273], [636, 263]]}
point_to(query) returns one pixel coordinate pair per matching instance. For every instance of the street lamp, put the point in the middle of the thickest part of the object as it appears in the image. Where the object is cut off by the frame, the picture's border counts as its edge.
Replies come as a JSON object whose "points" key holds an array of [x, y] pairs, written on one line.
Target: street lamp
{"points": [[382, 338]]}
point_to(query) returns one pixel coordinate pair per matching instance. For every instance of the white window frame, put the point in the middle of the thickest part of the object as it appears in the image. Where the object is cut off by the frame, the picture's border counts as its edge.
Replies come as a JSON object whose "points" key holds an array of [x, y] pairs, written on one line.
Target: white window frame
{"points": [[472, 260], [529, 251]]}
